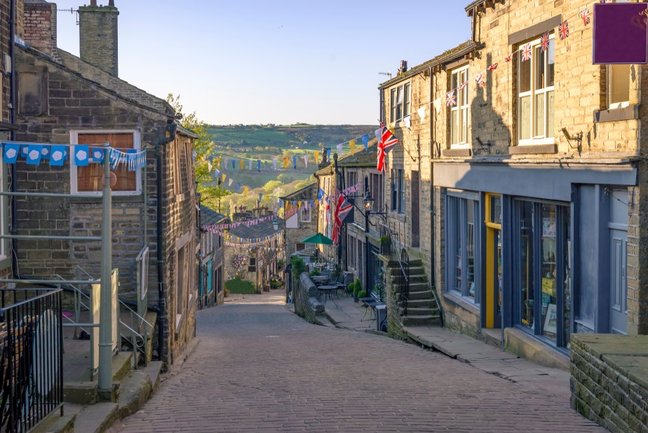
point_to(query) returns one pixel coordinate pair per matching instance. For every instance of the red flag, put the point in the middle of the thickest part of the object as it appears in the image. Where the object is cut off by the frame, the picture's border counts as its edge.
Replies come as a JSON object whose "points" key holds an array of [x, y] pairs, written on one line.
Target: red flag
{"points": [[385, 145]]}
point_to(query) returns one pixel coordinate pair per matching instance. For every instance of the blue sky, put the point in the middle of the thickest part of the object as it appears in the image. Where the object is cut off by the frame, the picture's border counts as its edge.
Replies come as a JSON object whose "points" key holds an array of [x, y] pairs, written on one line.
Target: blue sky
{"points": [[274, 61]]}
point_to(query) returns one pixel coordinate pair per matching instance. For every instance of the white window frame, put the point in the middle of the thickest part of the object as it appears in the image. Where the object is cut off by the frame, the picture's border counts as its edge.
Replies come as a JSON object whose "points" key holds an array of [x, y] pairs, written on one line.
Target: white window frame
{"points": [[531, 93], [74, 139], [608, 90], [462, 106], [400, 98]]}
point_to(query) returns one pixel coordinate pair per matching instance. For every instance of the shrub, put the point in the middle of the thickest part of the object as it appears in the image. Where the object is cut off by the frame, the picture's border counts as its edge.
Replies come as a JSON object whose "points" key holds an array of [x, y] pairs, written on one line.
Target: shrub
{"points": [[239, 286], [362, 294], [298, 265]]}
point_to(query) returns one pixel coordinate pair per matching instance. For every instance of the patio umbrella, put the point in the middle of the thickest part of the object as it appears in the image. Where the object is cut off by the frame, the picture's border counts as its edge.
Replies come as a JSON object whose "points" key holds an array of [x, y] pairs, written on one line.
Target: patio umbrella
{"points": [[318, 238]]}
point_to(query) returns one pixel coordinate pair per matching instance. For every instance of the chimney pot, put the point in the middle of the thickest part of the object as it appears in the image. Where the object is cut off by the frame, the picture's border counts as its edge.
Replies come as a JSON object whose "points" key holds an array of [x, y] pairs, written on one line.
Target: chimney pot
{"points": [[111, 3], [93, 3]]}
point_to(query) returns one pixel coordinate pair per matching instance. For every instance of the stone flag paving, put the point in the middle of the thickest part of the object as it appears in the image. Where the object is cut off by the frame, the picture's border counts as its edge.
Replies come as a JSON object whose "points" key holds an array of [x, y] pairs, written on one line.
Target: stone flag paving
{"points": [[260, 368]]}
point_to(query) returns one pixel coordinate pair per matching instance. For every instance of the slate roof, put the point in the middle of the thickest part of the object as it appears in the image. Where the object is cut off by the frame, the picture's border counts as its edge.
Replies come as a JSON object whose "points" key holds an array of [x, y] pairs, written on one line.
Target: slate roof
{"points": [[209, 216], [309, 192], [361, 159], [260, 230]]}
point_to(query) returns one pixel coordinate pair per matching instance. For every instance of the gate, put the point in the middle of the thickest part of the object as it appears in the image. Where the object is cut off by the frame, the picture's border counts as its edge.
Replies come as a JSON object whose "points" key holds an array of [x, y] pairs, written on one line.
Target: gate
{"points": [[31, 357]]}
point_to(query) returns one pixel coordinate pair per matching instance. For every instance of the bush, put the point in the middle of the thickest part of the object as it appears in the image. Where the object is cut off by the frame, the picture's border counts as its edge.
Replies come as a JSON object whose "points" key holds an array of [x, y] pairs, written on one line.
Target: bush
{"points": [[362, 294], [239, 286], [298, 265], [314, 272]]}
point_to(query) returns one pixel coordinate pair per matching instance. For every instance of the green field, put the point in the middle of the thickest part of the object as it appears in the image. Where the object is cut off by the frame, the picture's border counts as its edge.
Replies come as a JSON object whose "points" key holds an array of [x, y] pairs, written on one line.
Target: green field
{"points": [[267, 141]]}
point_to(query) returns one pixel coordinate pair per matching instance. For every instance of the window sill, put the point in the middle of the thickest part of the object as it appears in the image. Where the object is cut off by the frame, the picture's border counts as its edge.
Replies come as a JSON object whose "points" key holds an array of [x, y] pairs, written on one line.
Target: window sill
{"points": [[526, 149], [84, 198], [617, 114], [459, 301], [457, 153]]}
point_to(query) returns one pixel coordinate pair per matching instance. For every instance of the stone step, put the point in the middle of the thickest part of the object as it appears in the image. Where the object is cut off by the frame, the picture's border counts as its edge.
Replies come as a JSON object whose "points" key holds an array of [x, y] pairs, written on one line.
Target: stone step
{"points": [[412, 279], [421, 303], [421, 311], [430, 320], [412, 271], [422, 294]]}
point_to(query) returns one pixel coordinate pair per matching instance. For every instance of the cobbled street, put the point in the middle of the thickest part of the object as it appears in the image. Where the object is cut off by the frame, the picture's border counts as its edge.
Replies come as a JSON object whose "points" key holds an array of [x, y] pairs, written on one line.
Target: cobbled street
{"points": [[259, 367]]}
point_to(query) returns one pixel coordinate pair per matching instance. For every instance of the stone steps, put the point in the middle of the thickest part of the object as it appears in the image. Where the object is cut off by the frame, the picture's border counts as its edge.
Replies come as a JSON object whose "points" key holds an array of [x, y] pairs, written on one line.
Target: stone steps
{"points": [[420, 320]]}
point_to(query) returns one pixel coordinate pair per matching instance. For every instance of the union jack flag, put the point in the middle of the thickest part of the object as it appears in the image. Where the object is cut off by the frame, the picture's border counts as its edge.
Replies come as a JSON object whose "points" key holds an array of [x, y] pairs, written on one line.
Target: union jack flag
{"points": [[481, 81], [462, 85], [526, 52], [585, 16], [451, 99], [385, 145], [492, 67], [564, 30], [342, 209], [544, 42], [508, 58]]}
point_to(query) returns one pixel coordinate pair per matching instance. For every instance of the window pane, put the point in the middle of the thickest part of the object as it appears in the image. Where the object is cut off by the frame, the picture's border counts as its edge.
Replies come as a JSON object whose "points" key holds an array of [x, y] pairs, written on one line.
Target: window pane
{"points": [[406, 108], [526, 264], [551, 60], [619, 87], [496, 209], [550, 113], [525, 117], [525, 75], [566, 280], [454, 126], [89, 178], [470, 248], [464, 126], [539, 113], [392, 99], [548, 271], [454, 245], [539, 61]]}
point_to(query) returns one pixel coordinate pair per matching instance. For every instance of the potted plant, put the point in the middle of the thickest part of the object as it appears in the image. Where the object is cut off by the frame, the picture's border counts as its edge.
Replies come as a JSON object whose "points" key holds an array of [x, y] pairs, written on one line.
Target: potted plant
{"points": [[357, 287], [385, 244]]}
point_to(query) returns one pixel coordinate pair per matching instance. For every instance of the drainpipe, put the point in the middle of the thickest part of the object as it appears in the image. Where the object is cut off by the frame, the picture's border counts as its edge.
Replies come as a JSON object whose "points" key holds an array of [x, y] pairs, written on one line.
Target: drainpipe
{"points": [[12, 119], [432, 208]]}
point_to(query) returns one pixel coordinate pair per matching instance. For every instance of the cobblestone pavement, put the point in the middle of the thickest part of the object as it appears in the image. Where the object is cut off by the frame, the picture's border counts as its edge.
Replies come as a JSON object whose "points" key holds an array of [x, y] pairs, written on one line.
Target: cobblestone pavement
{"points": [[260, 368]]}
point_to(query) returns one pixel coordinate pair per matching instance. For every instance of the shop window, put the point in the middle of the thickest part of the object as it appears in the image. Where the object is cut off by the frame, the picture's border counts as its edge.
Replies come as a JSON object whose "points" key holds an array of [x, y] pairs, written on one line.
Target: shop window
{"points": [[462, 237], [543, 292], [535, 113], [459, 113]]}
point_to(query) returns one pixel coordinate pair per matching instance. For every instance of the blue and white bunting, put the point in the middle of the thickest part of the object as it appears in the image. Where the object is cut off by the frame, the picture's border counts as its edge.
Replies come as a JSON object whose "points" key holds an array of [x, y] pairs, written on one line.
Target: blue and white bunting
{"points": [[81, 155], [10, 153], [34, 154], [58, 156]]}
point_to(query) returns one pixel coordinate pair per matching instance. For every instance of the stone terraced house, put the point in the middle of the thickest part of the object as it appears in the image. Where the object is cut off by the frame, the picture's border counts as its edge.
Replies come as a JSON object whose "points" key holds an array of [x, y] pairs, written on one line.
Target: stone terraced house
{"points": [[518, 182], [67, 99]]}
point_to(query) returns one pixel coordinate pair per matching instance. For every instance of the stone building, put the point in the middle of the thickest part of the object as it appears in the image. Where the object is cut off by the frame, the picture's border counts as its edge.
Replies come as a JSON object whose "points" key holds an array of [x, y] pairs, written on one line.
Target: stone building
{"points": [[300, 215], [211, 262], [326, 184], [66, 99], [521, 164], [255, 252]]}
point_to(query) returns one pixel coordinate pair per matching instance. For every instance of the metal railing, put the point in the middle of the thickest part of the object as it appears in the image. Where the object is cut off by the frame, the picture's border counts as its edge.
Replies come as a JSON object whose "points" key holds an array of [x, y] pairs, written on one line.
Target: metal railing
{"points": [[31, 360]]}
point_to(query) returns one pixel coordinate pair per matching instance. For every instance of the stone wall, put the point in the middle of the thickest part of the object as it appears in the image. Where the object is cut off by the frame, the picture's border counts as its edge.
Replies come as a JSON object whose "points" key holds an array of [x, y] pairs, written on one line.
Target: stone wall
{"points": [[98, 36], [305, 298], [608, 380]]}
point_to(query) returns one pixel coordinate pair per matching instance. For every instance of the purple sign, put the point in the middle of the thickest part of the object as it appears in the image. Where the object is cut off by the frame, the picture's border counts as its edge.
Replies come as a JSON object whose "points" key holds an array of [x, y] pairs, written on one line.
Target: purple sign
{"points": [[620, 33]]}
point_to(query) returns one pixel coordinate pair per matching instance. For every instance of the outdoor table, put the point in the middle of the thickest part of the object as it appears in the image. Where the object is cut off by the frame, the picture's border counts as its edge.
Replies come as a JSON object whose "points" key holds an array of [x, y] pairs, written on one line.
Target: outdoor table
{"points": [[327, 292], [319, 279]]}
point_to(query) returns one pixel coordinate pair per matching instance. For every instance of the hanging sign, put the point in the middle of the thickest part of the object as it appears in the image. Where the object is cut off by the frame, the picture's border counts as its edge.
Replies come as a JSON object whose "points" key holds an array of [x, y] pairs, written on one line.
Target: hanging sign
{"points": [[620, 33]]}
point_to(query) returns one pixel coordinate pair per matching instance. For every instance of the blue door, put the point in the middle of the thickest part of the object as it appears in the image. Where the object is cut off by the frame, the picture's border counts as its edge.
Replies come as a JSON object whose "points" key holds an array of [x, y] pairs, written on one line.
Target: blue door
{"points": [[210, 276]]}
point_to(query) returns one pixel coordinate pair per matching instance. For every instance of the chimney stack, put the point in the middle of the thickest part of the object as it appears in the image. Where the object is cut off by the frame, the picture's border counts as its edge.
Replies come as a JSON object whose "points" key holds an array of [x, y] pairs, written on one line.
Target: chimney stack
{"points": [[98, 35], [39, 25]]}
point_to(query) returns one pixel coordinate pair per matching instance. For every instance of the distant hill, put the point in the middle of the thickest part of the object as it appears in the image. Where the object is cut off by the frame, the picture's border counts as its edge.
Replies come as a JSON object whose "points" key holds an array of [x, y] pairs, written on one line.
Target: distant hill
{"points": [[298, 136], [267, 141]]}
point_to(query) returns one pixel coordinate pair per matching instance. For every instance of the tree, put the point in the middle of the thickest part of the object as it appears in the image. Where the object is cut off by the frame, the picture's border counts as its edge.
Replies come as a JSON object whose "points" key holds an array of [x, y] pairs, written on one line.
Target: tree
{"points": [[208, 185]]}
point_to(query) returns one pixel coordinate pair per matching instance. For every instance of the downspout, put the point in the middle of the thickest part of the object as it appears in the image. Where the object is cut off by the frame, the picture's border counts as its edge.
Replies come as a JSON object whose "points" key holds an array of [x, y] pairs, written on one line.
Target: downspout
{"points": [[12, 118], [432, 156], [162, 311]]}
